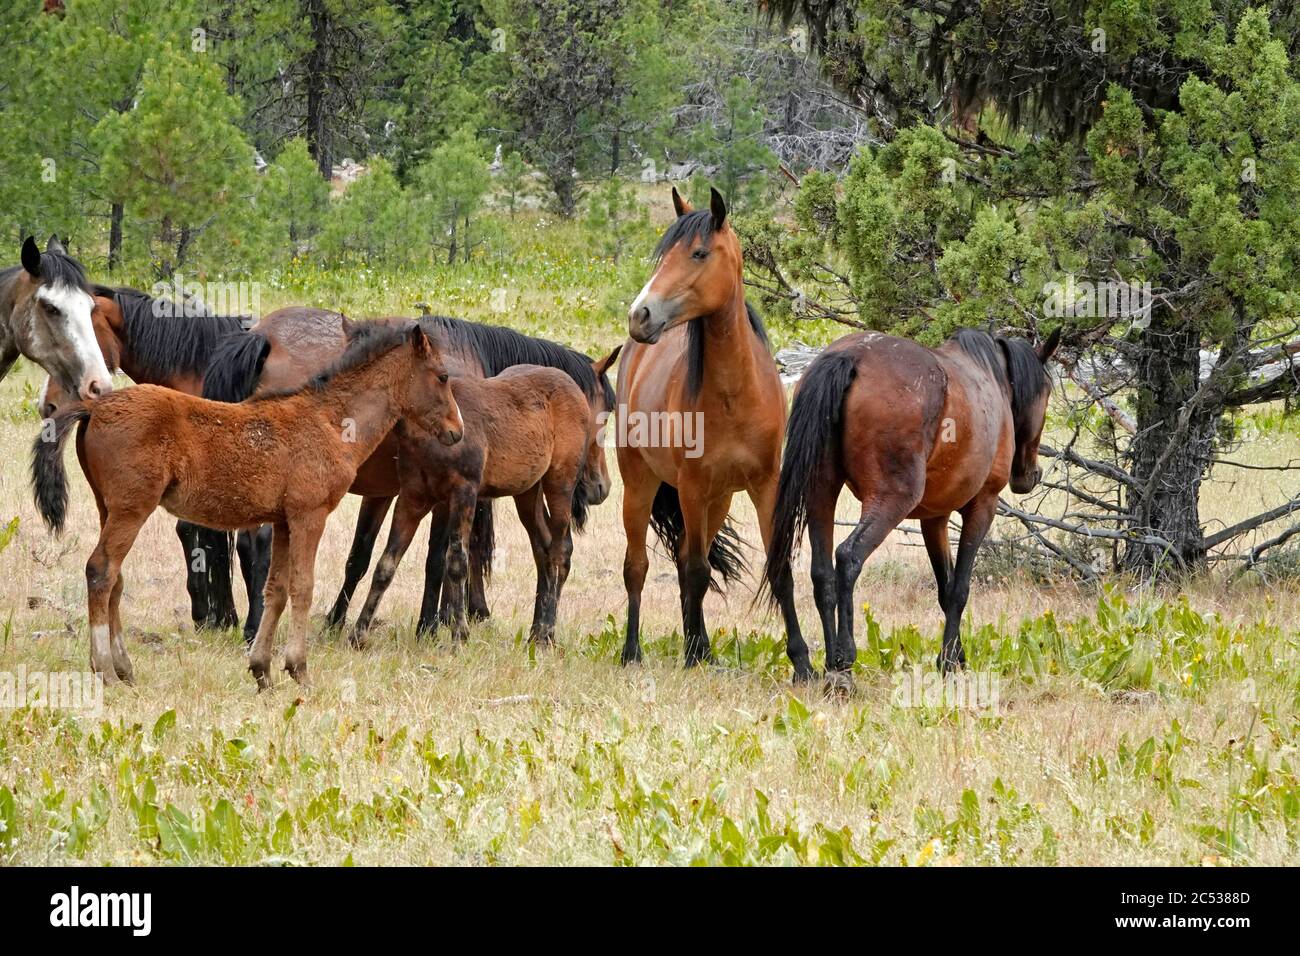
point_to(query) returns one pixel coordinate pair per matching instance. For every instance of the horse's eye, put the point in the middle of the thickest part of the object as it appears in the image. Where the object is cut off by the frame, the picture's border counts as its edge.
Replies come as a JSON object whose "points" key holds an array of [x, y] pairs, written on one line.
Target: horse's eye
{"points": [[443, 378], [700, 254]]}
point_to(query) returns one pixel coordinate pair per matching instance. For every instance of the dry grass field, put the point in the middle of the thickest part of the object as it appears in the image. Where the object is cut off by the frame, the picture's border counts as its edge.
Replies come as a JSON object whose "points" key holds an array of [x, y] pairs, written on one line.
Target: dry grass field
{"points": [[1130, 728]]}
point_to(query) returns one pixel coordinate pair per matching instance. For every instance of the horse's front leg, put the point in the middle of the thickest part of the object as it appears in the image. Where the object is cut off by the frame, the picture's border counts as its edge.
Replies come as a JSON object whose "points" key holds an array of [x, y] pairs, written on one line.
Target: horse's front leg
{"points": [[976, 519], [410, 510], [639, 489], [370, 519], [529, 507], [702, 518]]}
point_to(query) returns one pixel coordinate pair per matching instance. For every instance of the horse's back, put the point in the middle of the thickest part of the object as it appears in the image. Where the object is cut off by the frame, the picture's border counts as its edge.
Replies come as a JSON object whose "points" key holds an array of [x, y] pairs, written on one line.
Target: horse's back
{"points": [[891, 412], [919, 421], [303, 342]]}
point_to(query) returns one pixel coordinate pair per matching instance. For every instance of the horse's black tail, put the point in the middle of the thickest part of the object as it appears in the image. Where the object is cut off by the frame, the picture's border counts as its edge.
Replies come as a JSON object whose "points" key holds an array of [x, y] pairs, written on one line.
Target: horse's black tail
{"points": [[235, 367], [49, 479], [482, 539], [725, 555], [811, 435]]}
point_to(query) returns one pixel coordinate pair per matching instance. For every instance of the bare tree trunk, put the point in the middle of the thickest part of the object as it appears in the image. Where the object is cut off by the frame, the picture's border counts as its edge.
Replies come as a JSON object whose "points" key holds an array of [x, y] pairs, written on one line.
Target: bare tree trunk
{"points": [[318, 130], [115, 237], [1171, 451]]}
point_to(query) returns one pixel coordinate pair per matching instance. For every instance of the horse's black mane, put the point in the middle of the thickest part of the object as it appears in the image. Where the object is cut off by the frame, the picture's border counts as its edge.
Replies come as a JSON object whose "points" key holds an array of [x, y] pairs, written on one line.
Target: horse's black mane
{"points": [[695, 347], [366, 342], [687, 228], [163, 344], [1024, 373], [57, 268], [497, 348]]}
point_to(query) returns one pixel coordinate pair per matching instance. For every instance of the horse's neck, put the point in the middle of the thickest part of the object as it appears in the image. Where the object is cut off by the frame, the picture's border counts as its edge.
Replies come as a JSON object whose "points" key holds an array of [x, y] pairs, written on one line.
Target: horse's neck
{"points": [[365, 402], [729, 369]]}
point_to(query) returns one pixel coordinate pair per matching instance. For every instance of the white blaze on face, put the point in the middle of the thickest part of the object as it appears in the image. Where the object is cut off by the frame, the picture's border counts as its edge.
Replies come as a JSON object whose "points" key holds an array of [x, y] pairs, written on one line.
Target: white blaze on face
{"points": [[74, 308], [641, 296]]}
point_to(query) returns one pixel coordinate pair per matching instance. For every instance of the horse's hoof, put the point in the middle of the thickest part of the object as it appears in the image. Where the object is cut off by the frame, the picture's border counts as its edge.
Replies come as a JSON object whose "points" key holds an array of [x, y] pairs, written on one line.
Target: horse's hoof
{"points": [[357, 638], [804, 673], [947, 664], [839, 684], [261, 674], [298, 671]]}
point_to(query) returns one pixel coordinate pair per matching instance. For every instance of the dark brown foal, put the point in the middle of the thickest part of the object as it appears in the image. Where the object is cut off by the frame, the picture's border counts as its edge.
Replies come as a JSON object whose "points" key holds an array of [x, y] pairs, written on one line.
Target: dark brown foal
{"points": [[528, 435]]}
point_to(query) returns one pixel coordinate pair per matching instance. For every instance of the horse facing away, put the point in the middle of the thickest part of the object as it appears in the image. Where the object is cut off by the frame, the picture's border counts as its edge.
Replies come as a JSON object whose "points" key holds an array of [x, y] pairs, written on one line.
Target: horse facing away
{"points": [[914, 432], [528, 435], [158, 342], [289, 345], [699, 351], [285, 460], [45, 307]]}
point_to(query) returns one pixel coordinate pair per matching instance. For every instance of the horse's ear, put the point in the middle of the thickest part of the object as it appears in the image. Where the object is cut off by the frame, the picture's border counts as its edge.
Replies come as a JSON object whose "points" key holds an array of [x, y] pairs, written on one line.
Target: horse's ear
{"points": [[1048, 348], [31, 258], [605, 364], [53, 245], [718, 208], [421, 341], [680, 205]]}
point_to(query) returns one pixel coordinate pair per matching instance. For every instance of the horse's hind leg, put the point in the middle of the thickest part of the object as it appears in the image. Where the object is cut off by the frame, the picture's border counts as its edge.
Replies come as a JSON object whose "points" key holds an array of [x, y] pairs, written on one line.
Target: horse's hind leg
{"points": [[304, 538], [369, 522], [121, 660], [276, 596], [103, 576], [796, 648], [821, 553], [254, 549], [976, 519], [406, 520], [881, 513]]}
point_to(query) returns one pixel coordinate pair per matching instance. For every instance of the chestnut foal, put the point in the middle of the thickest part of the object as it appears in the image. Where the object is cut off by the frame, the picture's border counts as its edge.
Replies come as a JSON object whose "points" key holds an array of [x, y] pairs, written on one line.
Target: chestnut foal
{"points": [[529, 434], [285, 459]]}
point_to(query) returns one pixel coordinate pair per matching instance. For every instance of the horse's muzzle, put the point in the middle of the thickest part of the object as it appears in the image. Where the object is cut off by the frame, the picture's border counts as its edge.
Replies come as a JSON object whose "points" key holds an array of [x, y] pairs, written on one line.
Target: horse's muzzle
{"points": [[93, 387], [643, 328], [449, 436], [1024, 484], [597, 491]]}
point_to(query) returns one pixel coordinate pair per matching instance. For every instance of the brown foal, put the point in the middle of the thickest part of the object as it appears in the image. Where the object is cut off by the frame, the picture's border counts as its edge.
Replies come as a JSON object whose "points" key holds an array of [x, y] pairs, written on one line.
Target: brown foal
{"points": [[529, 435], [285, 459]]}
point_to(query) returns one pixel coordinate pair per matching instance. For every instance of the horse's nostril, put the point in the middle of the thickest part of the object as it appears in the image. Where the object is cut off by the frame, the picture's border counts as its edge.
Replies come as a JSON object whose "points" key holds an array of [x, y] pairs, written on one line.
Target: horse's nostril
{"points": [[642, 314]]}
